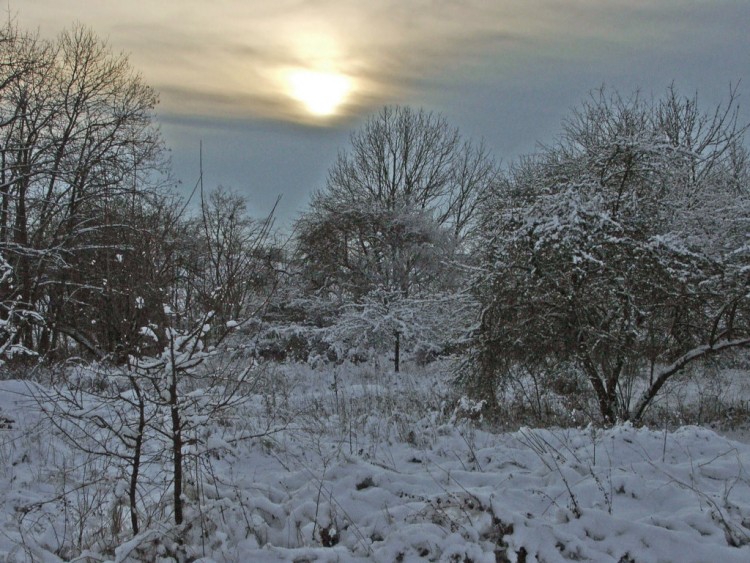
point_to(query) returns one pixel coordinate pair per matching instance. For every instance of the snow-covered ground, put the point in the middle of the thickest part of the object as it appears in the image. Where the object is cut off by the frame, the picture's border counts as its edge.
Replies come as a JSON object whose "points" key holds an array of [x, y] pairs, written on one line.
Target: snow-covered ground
{"points": [[355, 465]]}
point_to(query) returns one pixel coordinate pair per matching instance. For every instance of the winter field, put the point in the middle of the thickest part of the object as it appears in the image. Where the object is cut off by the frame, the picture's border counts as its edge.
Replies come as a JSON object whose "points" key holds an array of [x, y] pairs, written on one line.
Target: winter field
{"points": [[470, 336], [354, 463]]}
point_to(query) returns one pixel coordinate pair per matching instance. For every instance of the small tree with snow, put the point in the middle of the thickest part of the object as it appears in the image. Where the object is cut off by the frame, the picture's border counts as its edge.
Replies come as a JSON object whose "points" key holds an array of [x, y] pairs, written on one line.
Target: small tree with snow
{"points": [[147, 421], [186, 385], [383, 323]]}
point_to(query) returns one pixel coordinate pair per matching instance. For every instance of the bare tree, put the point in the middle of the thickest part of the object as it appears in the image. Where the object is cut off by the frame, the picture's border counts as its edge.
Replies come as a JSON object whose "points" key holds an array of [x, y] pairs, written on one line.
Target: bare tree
{"points": [[231, 269], [79, 146], [107, 419]]}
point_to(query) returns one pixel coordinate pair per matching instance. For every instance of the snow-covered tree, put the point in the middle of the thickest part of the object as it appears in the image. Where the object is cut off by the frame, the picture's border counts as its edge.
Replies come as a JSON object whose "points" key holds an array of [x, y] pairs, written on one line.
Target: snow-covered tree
{"points": [[393, 218], [622, 248]]}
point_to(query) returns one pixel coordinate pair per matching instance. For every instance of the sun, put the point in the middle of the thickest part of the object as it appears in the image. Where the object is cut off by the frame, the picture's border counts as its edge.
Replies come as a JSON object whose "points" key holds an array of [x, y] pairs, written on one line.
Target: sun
{"points": [[320, 92]]}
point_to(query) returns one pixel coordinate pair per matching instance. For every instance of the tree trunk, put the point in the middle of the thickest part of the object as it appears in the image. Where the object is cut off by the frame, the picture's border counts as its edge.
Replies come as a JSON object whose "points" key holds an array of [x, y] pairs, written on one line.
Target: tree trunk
{"points": [[176, 439], [23, 266], [607, 398], [397, 352], [133, 491], [4, 199]]}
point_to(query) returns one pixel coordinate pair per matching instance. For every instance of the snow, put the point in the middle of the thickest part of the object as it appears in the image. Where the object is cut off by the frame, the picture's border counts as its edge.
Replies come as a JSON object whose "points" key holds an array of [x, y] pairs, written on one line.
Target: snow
{"points": [[386, 468]]}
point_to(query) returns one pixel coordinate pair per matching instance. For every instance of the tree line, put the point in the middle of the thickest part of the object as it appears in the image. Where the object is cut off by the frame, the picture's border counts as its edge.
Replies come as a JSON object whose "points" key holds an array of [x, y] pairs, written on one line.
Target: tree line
{"points": [[620, 251]]}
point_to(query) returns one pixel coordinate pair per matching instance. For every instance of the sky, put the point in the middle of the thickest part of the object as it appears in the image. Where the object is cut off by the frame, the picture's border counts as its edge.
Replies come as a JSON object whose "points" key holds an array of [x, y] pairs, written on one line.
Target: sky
{"points": [[272, 89]]}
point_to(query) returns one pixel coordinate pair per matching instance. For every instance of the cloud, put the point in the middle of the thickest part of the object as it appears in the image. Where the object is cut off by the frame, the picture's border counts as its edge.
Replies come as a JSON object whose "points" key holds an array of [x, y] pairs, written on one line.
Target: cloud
{"points": [[226, 58]]}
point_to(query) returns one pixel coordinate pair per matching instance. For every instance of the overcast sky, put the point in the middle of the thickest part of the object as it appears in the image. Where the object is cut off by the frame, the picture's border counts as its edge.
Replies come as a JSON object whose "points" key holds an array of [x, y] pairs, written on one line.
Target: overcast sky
{"points": [[239, 74]]}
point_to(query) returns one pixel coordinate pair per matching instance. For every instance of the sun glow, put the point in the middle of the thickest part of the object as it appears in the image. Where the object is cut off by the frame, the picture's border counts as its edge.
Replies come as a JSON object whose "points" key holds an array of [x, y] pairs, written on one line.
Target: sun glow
{"points": [[320, 92]]}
